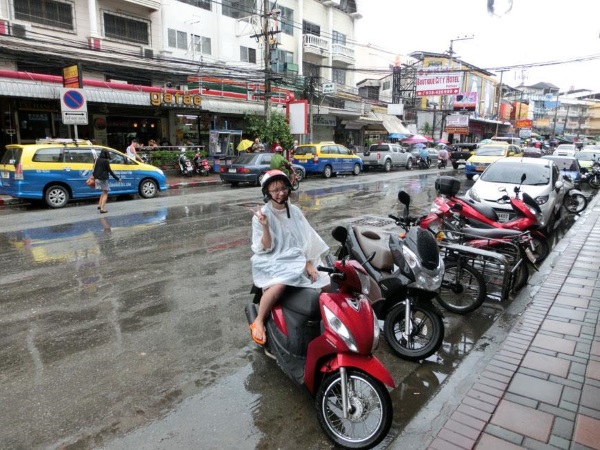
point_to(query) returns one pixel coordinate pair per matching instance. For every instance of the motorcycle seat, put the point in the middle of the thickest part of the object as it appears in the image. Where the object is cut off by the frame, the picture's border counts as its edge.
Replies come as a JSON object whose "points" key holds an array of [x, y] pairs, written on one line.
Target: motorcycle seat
{"points": [[491, 233], [487, 211], [304, 301], [374, 240]]}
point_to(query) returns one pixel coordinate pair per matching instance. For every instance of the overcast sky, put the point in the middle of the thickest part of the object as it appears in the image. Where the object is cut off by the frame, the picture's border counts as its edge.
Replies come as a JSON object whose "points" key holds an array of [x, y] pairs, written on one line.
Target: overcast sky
{"points": [[534, 31]]}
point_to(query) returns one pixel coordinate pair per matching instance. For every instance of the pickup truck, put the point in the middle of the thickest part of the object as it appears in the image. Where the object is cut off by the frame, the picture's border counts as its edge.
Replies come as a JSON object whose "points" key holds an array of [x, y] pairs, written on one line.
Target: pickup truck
{"points": [[459, 153], [385, 156]]}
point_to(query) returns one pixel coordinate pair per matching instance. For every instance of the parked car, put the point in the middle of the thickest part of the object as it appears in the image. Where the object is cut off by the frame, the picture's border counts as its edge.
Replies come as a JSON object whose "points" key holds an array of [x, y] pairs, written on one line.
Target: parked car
{"points": [[588, 155], [543, 182], [385, 156], [327, 158], [56, 170], [565, 150], [487, 154], [250, 168], [568, 165], [532, 152]]}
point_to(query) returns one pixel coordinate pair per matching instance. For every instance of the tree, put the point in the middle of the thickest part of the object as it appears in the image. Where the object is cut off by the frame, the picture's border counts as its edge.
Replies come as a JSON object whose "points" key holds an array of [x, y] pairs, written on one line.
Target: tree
{"points": [[277, 129]]}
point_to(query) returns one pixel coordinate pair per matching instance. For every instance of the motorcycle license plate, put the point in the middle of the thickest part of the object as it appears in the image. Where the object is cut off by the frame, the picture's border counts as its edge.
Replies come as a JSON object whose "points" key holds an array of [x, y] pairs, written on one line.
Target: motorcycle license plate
{"points": [[231, 170], [530, 255], [503, 217]]}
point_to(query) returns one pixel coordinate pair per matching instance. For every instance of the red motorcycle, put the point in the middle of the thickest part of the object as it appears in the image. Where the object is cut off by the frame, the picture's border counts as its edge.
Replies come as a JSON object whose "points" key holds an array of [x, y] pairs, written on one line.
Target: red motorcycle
{"points": [[452, 214], [201, 166], [325, 342]]}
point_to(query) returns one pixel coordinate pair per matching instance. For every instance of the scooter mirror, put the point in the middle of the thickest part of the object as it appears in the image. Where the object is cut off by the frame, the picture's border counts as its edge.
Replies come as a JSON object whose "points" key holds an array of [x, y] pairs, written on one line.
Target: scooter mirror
{"points": [[523, 177], [404, 198], [340, 234]]}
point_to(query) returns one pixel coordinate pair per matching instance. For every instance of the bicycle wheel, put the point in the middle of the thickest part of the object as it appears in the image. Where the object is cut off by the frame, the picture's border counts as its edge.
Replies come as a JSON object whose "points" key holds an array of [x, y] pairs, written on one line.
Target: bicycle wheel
{"points": [[463, 288]]}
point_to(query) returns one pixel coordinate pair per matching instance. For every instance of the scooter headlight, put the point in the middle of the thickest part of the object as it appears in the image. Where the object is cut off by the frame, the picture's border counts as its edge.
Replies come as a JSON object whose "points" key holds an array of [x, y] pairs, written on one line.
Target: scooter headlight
{"points": [[340, 329], [410, 257]]}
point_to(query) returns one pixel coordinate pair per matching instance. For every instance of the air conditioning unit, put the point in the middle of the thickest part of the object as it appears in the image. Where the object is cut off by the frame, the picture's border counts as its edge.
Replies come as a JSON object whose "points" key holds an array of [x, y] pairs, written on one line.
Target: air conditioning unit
{"points": [[20, 30], [147, 52]]}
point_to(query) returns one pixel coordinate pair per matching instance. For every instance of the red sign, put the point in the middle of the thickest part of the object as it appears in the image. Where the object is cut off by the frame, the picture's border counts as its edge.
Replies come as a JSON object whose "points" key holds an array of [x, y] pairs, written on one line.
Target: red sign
{"points": [[457, 130], [524, 123]]}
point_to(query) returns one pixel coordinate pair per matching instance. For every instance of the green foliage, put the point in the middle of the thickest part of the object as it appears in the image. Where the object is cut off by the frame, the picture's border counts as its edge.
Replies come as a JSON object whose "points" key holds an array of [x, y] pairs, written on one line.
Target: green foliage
{"points": [[170, 157], [276, 130], [426, 129]]}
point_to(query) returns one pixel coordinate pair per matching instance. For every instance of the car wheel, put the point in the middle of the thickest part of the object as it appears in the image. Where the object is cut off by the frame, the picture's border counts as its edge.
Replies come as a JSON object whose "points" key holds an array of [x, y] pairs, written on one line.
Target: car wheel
{"points": [[56, 196], [234, 184], [409, 164], [387, 166], [455, 165], [356, 170], [327, 172], [469, 177], [148, 188], [299, 174]]}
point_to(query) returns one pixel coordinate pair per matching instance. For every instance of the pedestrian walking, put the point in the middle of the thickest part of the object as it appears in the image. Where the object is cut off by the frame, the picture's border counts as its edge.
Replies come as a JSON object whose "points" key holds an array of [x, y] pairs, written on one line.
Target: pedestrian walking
{"points": [[101, 172]]}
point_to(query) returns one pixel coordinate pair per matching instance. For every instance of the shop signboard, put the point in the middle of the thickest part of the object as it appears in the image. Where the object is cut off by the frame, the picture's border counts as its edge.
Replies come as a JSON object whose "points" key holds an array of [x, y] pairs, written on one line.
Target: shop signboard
{"points": [[438, 83], [524, 123]]}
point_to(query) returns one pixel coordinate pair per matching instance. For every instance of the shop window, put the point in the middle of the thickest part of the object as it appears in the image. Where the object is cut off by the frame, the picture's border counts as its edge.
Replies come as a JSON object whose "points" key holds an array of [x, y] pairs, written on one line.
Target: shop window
{"points": [[52, 13], [238, 8], [201, 45], [177, 39], [248, 54], [126, 28], [34, 125], [279, 59], [204, 4]]}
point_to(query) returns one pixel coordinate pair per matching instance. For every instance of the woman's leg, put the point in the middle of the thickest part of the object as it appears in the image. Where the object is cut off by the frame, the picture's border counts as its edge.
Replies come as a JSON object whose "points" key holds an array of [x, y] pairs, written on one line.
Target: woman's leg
{"points": [[103, 197], [267, 301]]}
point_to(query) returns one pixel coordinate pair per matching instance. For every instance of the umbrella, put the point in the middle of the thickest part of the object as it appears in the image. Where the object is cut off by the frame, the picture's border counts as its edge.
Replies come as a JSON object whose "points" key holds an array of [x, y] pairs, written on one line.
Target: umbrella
{"points": [[441, 141], [399, 136], [415, 139], [244, 144]]}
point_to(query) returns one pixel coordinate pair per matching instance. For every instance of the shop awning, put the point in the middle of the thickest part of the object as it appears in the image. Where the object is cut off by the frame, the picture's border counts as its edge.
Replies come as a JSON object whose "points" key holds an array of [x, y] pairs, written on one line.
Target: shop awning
{"points": [[393, 125], [357, 123], [232, 107]]}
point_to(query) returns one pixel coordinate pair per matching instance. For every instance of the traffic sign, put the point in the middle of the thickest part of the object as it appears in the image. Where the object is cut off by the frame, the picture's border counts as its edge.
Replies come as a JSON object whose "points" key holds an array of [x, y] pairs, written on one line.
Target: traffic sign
{"points": [[73, 106], [328, 88]]}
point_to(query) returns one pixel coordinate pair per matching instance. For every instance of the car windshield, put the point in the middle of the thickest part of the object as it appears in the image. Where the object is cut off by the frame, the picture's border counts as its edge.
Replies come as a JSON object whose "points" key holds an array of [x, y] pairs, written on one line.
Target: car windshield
{"points": [[246, 158], [491, 150], [587, 156], [306, 150], [565, 147], [536, 174], [565, 163]]}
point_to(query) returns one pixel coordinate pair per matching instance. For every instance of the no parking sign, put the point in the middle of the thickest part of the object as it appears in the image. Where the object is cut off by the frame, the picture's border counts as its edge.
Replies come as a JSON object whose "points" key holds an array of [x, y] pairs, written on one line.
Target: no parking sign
{"points": [[73, 105]]}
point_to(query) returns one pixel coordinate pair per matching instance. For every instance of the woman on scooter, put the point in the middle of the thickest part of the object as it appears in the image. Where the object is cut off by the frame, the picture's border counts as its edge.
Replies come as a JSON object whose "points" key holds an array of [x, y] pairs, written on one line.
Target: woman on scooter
{"points": [[286, 249]]}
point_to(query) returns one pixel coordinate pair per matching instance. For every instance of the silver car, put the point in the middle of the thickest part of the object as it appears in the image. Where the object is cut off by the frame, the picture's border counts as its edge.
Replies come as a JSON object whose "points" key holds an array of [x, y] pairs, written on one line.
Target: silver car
{"points": [[543, 182]]}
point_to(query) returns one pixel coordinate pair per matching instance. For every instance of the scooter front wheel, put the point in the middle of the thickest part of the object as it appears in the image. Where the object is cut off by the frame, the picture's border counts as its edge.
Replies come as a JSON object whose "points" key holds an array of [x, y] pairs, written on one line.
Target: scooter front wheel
{"points": [[575, 203], [369, 414], [420, 338]]}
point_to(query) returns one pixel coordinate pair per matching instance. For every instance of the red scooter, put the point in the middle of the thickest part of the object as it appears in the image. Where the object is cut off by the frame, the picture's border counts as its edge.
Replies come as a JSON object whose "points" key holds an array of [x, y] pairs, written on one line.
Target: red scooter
{"points": [[325, 342], [201, 166], [454, 213]]}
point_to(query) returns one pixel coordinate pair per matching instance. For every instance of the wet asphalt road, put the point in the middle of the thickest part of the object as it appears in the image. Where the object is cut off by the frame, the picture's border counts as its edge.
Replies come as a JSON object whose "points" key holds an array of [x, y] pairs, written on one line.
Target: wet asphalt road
{"points": [[127, 330]]}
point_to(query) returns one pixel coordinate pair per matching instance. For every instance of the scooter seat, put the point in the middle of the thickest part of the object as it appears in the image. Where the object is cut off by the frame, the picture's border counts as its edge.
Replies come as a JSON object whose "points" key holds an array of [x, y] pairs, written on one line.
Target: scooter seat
{"points": [[374, 240], [304, 301], [486, 210], [491, 233]]}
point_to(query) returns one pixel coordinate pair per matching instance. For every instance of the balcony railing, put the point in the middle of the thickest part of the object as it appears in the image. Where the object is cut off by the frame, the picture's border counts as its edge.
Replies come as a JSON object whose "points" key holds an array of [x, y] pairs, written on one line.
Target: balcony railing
{"points": [[315, 45], [343, 54]]}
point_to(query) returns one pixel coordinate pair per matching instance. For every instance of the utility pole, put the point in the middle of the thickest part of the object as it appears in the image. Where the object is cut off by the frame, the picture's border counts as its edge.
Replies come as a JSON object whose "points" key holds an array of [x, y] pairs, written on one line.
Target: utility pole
{"points": [[267, 40], [498, 103], [555, 116]]}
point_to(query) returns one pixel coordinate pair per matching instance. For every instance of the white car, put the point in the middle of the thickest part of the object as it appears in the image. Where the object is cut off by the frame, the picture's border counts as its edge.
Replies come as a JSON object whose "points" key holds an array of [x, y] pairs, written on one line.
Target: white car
{"points": [[542, 182], [565, 150]]}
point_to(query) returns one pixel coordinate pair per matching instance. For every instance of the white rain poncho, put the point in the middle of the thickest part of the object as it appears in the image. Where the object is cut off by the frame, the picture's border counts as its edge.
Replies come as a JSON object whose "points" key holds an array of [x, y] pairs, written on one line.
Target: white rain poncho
{"points": [[293, 243]]}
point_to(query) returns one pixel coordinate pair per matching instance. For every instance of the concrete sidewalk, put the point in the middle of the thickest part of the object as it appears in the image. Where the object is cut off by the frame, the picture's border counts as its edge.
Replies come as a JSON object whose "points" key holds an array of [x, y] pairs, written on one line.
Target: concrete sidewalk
{"points": [[535, 385]]}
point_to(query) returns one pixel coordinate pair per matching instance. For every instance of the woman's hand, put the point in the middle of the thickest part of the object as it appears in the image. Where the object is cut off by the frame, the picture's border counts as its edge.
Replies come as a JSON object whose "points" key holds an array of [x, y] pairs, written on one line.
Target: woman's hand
{"points": [[311, 272]]}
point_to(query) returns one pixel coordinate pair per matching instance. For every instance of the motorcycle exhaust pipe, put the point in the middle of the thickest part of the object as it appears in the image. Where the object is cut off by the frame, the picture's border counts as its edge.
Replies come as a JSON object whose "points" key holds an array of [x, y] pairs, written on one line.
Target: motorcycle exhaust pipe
{"points": [[251, 313]]}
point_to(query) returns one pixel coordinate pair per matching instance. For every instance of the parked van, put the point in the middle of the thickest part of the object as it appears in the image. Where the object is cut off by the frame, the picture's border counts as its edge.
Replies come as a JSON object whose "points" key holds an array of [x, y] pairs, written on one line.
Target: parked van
{"points": [[327, 158], [55, 171]]}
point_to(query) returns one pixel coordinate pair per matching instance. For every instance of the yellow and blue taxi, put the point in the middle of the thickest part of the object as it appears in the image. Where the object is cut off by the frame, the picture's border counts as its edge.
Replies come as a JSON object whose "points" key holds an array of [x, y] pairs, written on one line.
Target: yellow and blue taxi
{"points": [[327, 158], [55, 171], [487, 154]]}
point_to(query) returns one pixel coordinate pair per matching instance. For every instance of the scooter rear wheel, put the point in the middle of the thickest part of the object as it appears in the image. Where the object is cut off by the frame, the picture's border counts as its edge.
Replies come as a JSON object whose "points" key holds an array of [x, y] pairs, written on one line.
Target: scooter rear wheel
{"points": [[575, 203], [463, 288], [370, 415], [426, 335]]}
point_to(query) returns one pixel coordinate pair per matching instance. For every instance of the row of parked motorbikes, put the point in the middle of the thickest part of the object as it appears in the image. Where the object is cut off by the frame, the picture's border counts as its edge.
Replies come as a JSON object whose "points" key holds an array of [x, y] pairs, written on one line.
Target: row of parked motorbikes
{"points": [[198, 165], [392, 281]]}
